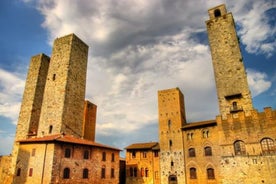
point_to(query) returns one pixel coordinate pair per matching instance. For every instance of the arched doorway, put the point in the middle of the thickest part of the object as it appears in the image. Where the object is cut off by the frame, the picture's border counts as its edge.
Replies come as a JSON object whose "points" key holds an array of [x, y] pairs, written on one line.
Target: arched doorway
{"points": [[172, 179]]}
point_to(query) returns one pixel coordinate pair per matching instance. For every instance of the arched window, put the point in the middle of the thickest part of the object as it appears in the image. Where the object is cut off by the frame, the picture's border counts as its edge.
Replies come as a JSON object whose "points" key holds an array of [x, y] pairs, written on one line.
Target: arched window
{"points": [[66, 173], [239, 148], [85, 173], [67, 153], [86, 154], [210, 173], [208, 151], [217, 13], [193, 173], [268, 146], [192, 152]]}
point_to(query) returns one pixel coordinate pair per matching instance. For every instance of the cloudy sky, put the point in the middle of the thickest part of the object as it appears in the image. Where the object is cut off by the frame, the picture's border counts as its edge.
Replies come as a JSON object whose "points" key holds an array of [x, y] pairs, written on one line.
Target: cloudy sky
{"points": [[137, 47]]}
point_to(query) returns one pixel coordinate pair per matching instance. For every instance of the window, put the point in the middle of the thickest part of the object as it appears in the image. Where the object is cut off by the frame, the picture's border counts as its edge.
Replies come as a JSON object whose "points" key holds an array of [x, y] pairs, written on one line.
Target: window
{"points": [[133, 154], [103, 173], [192, 152], [112, 157], [205, 133], [67, 153], [66, 173], [268, 146], [86, 154], [193, 173], [54, 77], [147, 172], [31, 172], [172, 164], [235, 106], [210, 173], [33, 152], [142, 172], [170, 143], [112, 173], [18, 172], [50, 129], [217, 13], [104, 156], [135, 172], [85, 173], [156, 153], [131, 172], [208, 151], [239, 148], [144, 154], [190, 136], [169, 123]]}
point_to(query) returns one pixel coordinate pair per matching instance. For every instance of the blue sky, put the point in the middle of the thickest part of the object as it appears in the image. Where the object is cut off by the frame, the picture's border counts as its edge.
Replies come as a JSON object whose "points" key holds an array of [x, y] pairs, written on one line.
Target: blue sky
{"points": [[136, 49]]}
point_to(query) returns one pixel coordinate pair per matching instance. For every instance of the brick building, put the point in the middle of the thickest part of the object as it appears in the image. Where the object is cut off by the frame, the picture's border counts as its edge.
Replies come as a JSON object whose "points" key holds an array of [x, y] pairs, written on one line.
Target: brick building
{"points": [[55, 135], [237, 146]]}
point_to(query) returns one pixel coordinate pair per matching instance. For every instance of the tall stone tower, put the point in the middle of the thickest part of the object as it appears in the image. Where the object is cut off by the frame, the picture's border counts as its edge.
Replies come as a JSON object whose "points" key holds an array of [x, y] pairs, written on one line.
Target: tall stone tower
{"points": [[230, 76], [171, 120], [62, 107], [89, 120], [32, 98]]}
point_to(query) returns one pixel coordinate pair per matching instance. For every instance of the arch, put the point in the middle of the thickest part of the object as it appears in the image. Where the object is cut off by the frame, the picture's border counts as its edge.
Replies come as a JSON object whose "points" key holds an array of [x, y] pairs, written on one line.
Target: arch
{"points": [[210, 173], [193, 174], [217, 13], [66, 173], [192, 152], [268, 145], [239, 147], [208, 151], [85, 173], [172, 179]]}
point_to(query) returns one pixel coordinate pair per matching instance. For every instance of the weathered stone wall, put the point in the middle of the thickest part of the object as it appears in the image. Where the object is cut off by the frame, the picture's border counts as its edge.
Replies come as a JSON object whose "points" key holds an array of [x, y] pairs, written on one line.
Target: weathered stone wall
{"points": [[62, 107], [230, 76], [89, 121], [171, 119], [5, 174]]}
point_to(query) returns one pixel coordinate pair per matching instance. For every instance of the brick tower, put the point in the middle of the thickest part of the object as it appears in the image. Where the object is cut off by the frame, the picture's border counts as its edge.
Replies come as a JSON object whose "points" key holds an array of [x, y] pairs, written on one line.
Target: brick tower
{"points": [[171, 120], [89, 121], [230, 76], [62, 107]]}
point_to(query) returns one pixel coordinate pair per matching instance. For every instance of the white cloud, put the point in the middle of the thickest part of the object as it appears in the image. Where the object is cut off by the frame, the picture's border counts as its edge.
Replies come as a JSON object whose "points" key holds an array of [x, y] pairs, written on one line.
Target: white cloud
{"points": [[257, 81]]}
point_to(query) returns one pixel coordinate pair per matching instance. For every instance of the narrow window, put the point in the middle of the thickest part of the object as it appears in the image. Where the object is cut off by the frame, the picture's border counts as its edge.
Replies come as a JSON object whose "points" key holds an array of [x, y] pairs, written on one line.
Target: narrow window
{"points": [[210, 173], [142, 172], [239, 148], [192, 152], [205, 133], [104, 156], [217, 13], [31, 172], [131, 172], [33, 152], [66, 173], [208, 151], [133, 154], [235, 106], [169, 124], [54, 77], [193, 173], [18, 172], [86, 154], [103, 173], [156, 153], [144, 154], [50, 129], [170, 143], [112, 173], [147, 172], [112, 157], [135, 172], [268, 146], [172, 163], [85, 173], [67, 153]]}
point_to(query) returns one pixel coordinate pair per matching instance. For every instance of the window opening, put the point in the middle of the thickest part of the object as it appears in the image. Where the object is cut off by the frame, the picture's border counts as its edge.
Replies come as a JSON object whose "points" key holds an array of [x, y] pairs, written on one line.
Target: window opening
{"points": [[103, 173], [86, 154], [112, 173], [217, 13], [268, 146], [66, 173], [50, 129], [85, 173], [192, 152], [193, 173], [210, 173], [104, 156], [239, 148], [67, 153], [31, 172], [208, 151], [112, 157], [18, 172]]}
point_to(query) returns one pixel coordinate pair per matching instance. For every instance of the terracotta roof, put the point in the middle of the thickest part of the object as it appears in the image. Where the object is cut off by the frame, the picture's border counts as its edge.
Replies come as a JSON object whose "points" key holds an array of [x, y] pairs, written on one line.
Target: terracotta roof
{"points": [[146, 145], [199, 124], [66, 139]]}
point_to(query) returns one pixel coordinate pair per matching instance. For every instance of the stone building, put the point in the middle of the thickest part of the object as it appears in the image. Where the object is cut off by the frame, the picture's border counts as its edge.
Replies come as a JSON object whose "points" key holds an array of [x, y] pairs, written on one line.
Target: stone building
{"points": [[55, 135], [238, 145]]}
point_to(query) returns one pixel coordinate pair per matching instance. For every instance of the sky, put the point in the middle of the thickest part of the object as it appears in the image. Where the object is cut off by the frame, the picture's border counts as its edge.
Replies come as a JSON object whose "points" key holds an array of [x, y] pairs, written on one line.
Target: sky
{"points": [[136, 47]]}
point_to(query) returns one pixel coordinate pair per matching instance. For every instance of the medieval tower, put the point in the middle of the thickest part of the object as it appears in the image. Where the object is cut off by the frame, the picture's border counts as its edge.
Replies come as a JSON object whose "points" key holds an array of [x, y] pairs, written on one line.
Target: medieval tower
{"points": [[63, 101], [171, 119], [231, 81]]}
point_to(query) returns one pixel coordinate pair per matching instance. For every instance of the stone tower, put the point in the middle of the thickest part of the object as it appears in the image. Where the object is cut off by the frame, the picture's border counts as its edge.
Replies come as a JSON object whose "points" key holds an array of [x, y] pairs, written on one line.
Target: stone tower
{"points": [[62, 107], [171, 120], [230, 76], [89, 120], [32, 97]]}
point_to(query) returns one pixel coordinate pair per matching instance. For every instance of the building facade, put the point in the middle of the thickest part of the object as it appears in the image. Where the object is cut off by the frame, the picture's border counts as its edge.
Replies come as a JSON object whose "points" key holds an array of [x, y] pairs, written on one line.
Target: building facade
{"points": [[238, 145], [55, 135]]}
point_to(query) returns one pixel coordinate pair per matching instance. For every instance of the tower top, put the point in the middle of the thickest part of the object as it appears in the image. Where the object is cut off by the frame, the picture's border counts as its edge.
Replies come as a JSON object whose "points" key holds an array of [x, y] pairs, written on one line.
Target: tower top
{"points": [[217, 11]]}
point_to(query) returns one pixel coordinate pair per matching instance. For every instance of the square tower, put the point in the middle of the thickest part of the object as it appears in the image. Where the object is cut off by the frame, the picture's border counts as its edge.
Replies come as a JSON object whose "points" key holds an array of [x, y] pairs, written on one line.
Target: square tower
{"points": [[89, 120], [230, 76], [62, 107], [171, 120]]}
